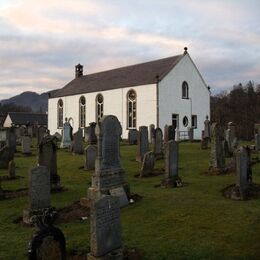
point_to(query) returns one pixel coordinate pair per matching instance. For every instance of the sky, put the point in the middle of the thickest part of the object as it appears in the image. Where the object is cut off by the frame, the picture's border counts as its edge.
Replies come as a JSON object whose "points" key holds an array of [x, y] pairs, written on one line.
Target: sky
{"points": [[42, 41]]}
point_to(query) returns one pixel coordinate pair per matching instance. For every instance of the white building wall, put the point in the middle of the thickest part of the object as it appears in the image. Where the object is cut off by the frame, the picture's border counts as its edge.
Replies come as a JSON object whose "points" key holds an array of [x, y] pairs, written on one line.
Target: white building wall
{"points": [[7, 122], [170, 96], [115, 103]]}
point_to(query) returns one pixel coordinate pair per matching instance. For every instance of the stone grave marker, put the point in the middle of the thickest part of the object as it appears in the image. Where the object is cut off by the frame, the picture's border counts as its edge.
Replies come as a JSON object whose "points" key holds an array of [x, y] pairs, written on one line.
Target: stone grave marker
{"points": [[207, 133], [26, 145], [11, 139], [241, 168], [40, 132], [151, 132], [2, 194], [158, 143], [105, 229], [92, 138], [142, 141], [90, 157], [30, 130], [77, 143], [11, 170], [6, 155], [204, 141], [147, 164], [190, 133], [169, 133], [66, 138], [3, 134], [257, 142], [132, 136], [39, 192]]}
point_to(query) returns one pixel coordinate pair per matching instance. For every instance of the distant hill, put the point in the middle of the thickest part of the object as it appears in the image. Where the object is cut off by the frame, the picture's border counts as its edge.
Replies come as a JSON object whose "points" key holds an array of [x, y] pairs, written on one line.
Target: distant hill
{"points": [[38, 102]]}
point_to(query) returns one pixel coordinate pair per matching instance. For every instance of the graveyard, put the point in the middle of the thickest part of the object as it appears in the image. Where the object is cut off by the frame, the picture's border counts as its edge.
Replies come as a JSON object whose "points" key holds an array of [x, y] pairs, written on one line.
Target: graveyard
{"points": [[194, 221]]}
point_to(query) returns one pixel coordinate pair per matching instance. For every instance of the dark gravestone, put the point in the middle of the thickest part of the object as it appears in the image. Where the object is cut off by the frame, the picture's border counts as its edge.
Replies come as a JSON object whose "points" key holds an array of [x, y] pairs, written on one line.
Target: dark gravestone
{"points": [[204, 141], [142, 141], [151, 132], [90, 157], [48, 243], [40, 132], [26, 145], [11, 169], [230, 140], [132, 136], [190, 133], [47, 157], [90, 135], [11, 139], [105, 230], [2, 195], [77, 143], [3, 135], [66, 138], [158, 143], [147, 164], [30, 130], [207, 133], [169, 133], [6, 155], [257, 142]]}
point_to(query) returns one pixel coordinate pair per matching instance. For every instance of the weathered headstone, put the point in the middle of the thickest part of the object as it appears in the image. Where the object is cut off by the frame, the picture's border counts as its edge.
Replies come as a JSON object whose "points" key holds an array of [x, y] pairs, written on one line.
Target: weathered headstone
{"points": [[147, 164], [90, 136], [47, 157], [77, 143], [172, 178], [58, 136], [151, 132], [11, 169], [190, 133], [132, 136], [217, 161], [11, 139], [230, 139], [6, 155], [257, 142], [66, 138], [90, 157], [207, 133], [30, 130], [3, 134], [26, 145], [204, 141], [40, 132], [169, 133], [142, 141], [158, 143], [39, 192], [105, 229]]}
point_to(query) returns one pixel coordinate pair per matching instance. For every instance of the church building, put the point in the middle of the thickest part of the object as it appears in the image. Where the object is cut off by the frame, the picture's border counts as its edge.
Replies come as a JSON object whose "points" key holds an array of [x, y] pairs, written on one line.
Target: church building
{"points": [[165, 91]]}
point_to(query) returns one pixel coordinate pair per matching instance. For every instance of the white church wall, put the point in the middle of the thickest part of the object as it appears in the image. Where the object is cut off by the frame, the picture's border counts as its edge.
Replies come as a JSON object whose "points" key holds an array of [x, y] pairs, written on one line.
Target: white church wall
{"points": [[171, 101]]}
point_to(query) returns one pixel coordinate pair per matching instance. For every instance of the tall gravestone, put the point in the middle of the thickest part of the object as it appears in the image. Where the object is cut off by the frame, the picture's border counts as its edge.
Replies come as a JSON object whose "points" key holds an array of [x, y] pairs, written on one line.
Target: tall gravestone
{"points": [[109, 177], [26, 145], [217, 160], [169, 133], [6, 155], [171, 178], [207, 133], [90, 136], [257, 142], [230, 139], [132, 136], [158, 143], [105, 229], [147, 164], [142, 141], [11, 139], [66, 138], [151, 132], [40, 132], [39, 192], [77, 143], [47, 156], [90, 157]]}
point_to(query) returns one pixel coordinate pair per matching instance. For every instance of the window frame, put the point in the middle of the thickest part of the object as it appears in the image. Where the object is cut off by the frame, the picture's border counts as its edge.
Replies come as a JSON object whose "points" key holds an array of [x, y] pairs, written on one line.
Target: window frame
{"points": [[131, 110], [185, 90], [60, 114], [177, 120], [82, 112], [99, 107], [194, 121]]}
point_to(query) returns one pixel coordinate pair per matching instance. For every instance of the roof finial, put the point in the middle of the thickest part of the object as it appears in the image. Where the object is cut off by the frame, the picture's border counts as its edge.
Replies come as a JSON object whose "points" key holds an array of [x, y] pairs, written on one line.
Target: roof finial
{"points": [[185, 50]]}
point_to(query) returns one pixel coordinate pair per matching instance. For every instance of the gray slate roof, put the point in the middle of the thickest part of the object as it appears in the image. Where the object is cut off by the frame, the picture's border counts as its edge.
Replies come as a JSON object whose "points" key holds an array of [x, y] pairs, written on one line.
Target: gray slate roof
{"points": [[135, 75], [22, 118]]}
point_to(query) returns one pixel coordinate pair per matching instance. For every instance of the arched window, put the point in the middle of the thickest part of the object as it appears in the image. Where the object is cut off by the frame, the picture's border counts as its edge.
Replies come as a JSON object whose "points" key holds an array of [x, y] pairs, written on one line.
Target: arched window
{"points": [[60, 113], [185, 90], [82, 112], [99, 107], [131, 109]]}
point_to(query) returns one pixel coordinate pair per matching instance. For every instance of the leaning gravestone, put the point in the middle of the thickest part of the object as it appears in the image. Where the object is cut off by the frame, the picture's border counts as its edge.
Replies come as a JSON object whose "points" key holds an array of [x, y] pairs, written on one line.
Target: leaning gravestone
{"points": [[11, 170], [47, 157], [39, 192], [77, 143], [11, 139], [172, 178], [147, 164], [217, 160], [48, 242], [151, 132], [142, 141], [6, 155], [26, 145], [90, 157], [109, 174], [257, 142], [105, 229], [158, 143], [66, 138], [132, 136]]}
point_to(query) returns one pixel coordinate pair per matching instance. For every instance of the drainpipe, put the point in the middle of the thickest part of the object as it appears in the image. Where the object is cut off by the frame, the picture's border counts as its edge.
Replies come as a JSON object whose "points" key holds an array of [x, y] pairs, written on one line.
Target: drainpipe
{"points": [[157, 101]]}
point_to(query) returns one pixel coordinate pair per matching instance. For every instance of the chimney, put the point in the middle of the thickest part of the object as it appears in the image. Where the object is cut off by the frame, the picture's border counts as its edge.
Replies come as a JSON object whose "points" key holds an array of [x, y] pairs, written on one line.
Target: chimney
{"points": [[78, 71]]}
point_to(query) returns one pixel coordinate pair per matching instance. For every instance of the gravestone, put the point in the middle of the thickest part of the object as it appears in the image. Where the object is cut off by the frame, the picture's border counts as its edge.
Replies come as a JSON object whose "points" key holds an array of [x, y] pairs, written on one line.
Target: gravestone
{"points": [[11, 139], [39, 192], [18, 135], [26, 145], [190, 133], [132, 136], [230, 139], [90, 136], [2, 194], [3, 135], [207, 133], [6, 155], [204, 141], [47, 157], [40, 132], [151, 132], [257, 129], [90, 157], [142, 141], [77, 143], [30, 130], [217, 160], [257, 142], [147, 164], [158, 143], [66, 138], [105, 229], [169, 133], [11, 170], [108, 173], [48, 241], [58, 136]]}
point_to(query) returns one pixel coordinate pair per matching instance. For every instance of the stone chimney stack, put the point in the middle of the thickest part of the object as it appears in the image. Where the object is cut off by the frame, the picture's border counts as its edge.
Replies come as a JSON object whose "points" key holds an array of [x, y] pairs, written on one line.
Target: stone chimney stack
{"points": [[78, 71]]}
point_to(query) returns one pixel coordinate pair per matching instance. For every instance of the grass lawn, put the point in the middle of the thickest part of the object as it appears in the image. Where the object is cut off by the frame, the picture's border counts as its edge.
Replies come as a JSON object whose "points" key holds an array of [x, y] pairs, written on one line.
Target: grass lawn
{"points": [[192, 222]]}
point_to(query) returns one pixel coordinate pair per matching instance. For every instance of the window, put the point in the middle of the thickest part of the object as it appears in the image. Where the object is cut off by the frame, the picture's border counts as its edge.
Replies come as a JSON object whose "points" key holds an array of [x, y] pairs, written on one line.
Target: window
{"points": [[131, 109], [194, 121], [99, 107], [185, 90], [60, 113], [82, 112], [185, 121], [175, 121]]}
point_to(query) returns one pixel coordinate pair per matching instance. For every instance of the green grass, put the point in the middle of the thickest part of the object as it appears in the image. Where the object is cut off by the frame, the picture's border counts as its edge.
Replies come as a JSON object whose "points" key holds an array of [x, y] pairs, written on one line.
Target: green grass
{"points": [[192, 222]]}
